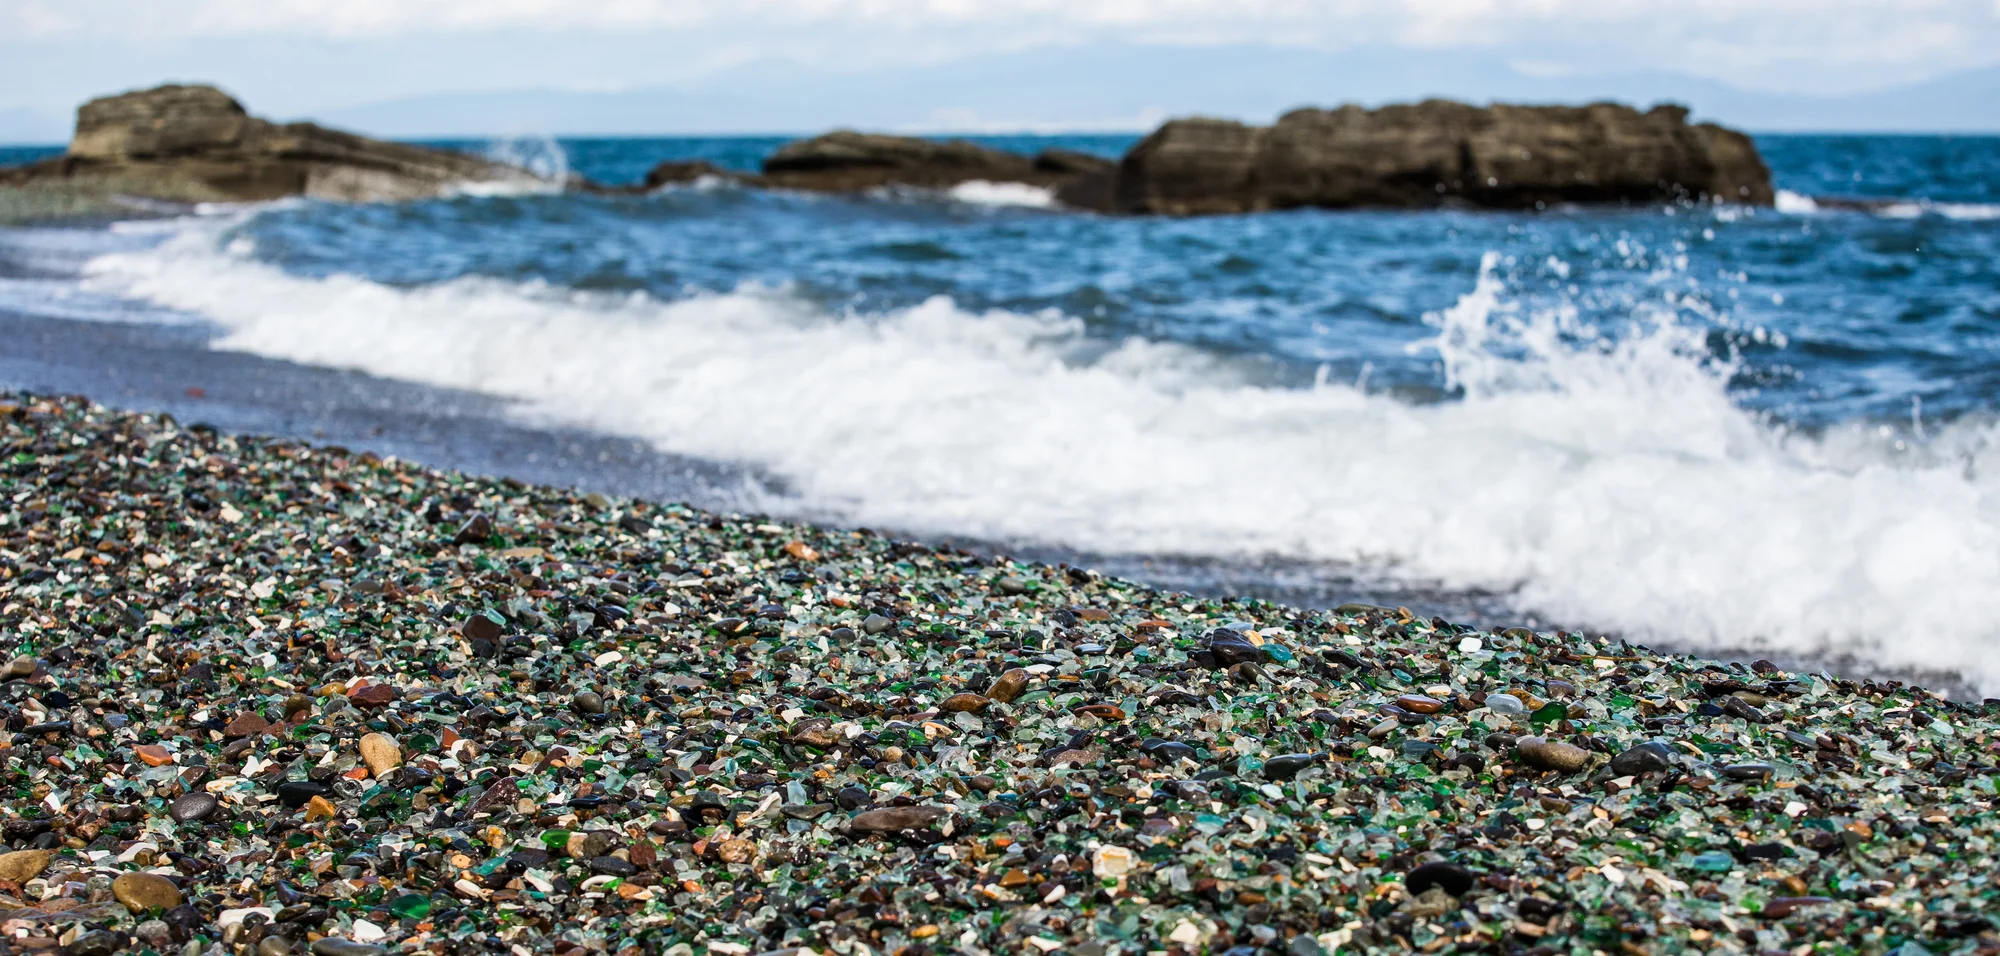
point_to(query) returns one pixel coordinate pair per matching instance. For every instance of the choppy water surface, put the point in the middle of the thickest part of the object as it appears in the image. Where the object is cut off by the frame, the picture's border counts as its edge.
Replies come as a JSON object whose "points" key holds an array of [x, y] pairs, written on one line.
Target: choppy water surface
{"points": [[1708, 427]]}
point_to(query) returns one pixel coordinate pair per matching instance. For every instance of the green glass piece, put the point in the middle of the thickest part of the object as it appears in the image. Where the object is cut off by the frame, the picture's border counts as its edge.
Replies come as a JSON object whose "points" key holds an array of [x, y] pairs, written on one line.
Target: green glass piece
{"points": [[1714, 861], [411, 906], [1549, 714]]}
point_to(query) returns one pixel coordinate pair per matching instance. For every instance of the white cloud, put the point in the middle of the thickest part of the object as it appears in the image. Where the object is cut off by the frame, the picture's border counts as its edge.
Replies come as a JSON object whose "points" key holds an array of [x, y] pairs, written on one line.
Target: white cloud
{"points": [[1774, 44]]}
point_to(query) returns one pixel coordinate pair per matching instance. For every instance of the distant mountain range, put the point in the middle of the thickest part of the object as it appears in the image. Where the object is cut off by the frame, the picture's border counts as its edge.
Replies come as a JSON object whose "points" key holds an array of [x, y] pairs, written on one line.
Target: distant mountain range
{"points": [[1112, 88]]}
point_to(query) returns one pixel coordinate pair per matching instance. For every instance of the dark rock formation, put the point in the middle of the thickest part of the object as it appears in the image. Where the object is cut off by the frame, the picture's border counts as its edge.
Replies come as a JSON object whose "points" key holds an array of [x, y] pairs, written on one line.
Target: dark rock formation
{"points": [[845, 161], [197, 144], [677, 172], [1436, 153], [1416, 156]]}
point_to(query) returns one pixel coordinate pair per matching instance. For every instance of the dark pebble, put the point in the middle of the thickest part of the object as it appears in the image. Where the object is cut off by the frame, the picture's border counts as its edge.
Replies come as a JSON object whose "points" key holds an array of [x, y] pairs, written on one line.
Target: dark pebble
{"points": [[1287, 766], [1454, 879], [1649, 757], [195, 806], [297, 793], [611, 866]]}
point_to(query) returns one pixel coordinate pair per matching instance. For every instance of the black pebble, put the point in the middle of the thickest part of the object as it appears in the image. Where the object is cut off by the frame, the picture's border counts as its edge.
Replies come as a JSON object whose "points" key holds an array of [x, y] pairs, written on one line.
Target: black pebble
{"points": [[297, 793], [1455, 879], [1287, 766]]}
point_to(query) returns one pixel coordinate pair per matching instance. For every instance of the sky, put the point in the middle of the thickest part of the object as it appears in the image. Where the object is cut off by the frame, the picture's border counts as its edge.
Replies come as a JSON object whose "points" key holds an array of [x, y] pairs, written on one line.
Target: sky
{"points": [[300, 58]]}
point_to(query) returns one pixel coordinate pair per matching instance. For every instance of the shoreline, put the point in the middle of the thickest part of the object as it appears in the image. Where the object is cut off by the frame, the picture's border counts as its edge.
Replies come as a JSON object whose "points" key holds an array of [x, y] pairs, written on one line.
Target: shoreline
{"points": [[153, 366], [286, 697]]}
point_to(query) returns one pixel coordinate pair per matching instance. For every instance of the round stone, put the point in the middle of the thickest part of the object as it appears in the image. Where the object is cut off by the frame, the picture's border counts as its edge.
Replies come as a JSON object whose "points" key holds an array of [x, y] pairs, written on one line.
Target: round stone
{"points": [[1649, 757], [1551, 755], [1008, 686], [1451, 877], [194, 807], [145, 892]]}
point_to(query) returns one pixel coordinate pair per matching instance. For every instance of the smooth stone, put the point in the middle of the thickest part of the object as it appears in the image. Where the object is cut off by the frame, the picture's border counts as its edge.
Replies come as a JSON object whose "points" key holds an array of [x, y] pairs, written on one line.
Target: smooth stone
{"points": [[381, 753], [1450, 877], [963, 703], [1228, 648], [298, 793], [21, 866], [876, 624], [1764, 851], [20, 667], [1748, 771], [1420, 704], [154, 932], [479, 627], [1165, 750], [893, 819], [143, 892], [1551, 755], [1649, 757], [1011, 586], [1287, 766], [1008, 685], [275, 946], [611, 866], [1506, 705], [852, 798], [1739, 708], [335, 946], [193, 807], [588, 702], [96, 943]]}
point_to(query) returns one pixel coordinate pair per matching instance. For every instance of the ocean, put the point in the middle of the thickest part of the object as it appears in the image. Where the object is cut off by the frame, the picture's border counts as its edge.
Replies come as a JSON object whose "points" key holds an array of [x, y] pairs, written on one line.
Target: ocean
{"points": [[1765, 432]]}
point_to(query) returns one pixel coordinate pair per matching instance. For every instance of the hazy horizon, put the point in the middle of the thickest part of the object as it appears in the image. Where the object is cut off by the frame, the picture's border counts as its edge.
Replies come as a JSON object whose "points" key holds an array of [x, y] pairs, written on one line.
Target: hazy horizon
{"points": [[430, 68]]}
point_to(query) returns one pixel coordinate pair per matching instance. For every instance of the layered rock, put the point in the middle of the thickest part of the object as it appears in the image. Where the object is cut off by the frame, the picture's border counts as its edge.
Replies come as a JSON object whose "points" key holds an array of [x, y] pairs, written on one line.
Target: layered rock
{"points": [[1411, 156], [1437, 153], [197, 144], [845, 161]]}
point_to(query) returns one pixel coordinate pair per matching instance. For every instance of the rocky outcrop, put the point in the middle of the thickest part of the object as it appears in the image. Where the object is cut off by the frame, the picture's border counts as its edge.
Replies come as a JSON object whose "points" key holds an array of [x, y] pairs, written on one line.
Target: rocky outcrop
{"points": [[845, 161], [1437, 153], [197, 144]]}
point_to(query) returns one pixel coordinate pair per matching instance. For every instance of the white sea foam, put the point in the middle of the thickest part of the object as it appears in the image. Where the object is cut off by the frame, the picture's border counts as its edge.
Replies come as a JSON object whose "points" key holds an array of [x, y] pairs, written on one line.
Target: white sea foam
{"points": [[1795, 203], [1967, 211], [1610, 483], [979, 192]]}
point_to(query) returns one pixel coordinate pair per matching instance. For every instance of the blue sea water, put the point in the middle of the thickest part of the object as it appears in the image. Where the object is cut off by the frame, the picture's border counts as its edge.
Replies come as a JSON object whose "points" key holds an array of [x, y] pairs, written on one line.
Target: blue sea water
{"points": [[1713, 427]]}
